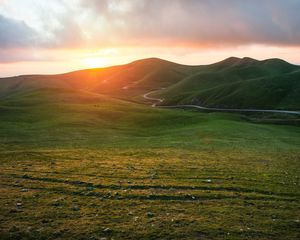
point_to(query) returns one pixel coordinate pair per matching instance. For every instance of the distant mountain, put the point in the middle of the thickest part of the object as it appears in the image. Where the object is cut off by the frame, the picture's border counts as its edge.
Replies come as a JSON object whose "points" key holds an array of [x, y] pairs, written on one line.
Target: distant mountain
{"points": [[233, 82]]}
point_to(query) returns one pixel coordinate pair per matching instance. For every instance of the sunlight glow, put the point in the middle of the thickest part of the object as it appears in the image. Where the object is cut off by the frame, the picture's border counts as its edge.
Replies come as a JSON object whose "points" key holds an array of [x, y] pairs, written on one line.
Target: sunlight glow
{"points": [[95, 62]]}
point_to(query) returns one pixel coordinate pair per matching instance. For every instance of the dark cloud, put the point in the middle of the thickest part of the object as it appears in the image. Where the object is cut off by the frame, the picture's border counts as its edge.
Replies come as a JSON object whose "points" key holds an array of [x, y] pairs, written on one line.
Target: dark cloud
{"points": [[16, 34], [215, 23], [200, 22]]}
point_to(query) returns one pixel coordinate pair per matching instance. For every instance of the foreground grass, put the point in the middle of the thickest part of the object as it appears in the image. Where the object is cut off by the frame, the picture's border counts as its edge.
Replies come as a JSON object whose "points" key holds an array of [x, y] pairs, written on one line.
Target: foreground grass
{"points": [[149, 194], [101, 169]]}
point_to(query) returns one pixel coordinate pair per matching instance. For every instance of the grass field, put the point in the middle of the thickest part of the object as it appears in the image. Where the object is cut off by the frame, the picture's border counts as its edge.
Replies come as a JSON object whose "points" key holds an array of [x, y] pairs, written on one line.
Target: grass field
{"points": [[76, 165]]}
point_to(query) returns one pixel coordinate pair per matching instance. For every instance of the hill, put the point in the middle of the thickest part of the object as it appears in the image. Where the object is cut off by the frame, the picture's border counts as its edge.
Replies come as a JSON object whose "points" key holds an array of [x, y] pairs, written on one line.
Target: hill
{"points": [[231, 83], [239, 83], [76, 163], [125, 80]]}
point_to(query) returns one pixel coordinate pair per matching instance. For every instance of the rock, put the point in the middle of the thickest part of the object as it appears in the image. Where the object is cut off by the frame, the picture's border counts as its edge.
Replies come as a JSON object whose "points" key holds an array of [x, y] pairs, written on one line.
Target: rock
{"points": [[24, 190], [107, 230], [19, 204]]}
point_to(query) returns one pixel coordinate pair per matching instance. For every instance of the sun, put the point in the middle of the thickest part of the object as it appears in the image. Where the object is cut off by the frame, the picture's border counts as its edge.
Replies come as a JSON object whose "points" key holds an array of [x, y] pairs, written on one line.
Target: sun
{"points": [[95, 62]]}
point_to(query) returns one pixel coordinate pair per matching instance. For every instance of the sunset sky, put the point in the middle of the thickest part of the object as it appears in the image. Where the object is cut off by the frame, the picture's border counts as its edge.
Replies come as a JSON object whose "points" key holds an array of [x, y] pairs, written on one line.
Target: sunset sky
{"points": [[53, 36]]}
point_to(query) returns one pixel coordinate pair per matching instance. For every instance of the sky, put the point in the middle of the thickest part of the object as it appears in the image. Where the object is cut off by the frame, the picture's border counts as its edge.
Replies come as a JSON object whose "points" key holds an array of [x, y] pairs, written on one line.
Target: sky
{"points": [[54, 36]]}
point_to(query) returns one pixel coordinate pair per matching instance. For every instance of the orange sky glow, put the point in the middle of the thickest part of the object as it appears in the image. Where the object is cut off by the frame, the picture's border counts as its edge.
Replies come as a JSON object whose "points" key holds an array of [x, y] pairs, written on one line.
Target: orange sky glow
{"points": [[39, 37]]}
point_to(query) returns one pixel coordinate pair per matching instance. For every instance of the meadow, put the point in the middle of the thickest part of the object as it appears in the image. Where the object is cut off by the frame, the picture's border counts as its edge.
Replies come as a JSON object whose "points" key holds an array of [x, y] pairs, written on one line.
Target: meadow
{"points": [[77, 165]]}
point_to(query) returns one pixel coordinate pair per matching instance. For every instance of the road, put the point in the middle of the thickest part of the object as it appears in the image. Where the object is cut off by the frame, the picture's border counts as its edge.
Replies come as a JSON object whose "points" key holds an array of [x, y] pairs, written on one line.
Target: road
{"points": [[155, 100], [160, 100]]}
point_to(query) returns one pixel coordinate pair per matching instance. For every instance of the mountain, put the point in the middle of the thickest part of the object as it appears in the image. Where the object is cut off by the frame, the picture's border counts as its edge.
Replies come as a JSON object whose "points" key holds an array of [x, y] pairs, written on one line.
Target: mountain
{"points": [[233, 82]]}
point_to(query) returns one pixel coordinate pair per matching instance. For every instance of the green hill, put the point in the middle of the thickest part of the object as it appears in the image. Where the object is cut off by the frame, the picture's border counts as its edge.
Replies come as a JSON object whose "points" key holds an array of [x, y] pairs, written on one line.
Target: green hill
{"points": [[239, 83], [231, 83], [80, 164], [128, 80]]}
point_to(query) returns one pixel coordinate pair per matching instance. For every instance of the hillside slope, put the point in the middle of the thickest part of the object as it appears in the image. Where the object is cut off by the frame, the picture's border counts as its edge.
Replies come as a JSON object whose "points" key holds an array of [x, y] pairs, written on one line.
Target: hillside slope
{"points": [[231, 83], [239, 83], [124, 81]]}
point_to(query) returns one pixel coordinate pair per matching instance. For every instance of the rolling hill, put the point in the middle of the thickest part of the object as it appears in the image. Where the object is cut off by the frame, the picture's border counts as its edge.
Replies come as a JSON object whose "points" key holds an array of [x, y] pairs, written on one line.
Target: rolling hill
{"points": [[78, 161], [231, 83], [239, 83]]}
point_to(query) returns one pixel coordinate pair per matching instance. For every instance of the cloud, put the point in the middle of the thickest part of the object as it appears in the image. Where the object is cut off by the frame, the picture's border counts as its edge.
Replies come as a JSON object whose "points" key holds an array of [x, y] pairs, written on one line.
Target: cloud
{"points": [[75, 24], [199, 22], [16, 34]]}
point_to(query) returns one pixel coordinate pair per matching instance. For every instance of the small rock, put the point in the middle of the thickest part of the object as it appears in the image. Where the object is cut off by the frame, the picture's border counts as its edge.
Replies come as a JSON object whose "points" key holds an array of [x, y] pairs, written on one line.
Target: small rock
{"points": [[107, 230], [24, 190], [19, 204], [208, 180]]}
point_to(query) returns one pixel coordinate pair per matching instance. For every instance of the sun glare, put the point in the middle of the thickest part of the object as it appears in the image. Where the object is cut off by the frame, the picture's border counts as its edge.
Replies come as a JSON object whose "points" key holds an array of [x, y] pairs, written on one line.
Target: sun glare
{"points": [[95, 62]]}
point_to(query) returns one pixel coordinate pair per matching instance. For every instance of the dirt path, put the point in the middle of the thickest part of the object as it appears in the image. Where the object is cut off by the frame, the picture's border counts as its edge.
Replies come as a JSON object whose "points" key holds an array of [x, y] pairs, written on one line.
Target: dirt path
{"points": [[160, 100]]}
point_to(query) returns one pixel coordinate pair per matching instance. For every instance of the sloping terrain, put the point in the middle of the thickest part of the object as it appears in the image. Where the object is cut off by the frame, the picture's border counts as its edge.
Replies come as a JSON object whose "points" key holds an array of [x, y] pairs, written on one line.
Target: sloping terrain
{"points": [[128, 80], [232, 83], [80, 165], [239, 83], [77, 163]]}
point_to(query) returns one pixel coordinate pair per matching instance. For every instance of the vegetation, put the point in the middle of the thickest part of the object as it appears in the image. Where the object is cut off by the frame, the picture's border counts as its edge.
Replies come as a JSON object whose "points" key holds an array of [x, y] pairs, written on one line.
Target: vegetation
{"points": [[232, 83], [239, 83], [80, 165]]}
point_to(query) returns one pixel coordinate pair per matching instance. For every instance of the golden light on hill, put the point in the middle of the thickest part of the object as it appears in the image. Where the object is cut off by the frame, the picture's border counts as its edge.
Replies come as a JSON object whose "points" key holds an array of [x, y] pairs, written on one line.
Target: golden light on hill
{"points": [[95, 62]]}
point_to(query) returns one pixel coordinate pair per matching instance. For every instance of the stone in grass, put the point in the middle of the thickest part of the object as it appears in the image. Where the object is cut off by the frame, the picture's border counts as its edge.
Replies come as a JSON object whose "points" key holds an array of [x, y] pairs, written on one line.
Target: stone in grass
{"points": [[150, 214], [24, 190], [107, 230]]}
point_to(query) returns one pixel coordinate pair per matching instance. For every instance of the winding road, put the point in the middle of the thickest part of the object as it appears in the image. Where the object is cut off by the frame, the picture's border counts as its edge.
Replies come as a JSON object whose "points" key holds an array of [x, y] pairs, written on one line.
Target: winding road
{"points": [[160, 100]]}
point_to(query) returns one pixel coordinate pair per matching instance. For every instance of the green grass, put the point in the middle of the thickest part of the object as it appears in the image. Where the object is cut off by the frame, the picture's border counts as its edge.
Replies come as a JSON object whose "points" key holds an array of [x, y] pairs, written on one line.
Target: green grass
{"points": [[231, 83], [239, 83], [77, 165]]}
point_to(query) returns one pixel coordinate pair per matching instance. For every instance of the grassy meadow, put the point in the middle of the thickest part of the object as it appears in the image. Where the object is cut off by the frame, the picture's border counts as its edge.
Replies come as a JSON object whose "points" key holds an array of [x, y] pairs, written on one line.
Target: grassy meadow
{"points": [[77, 165]]}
